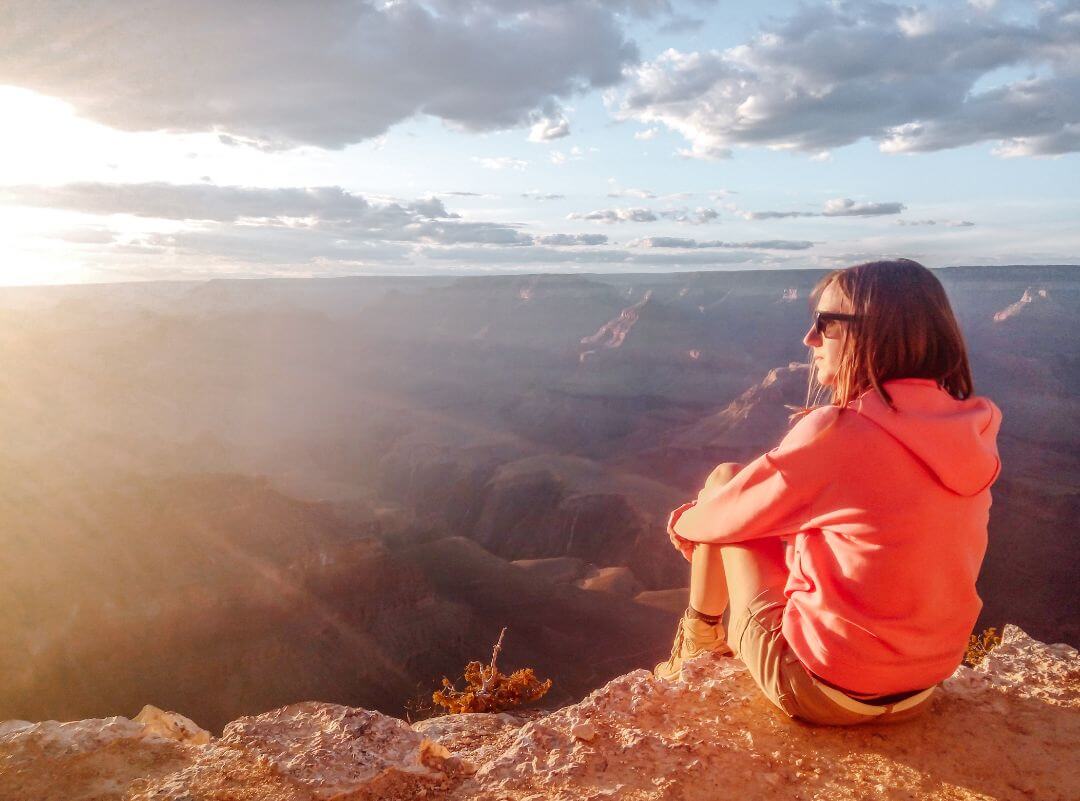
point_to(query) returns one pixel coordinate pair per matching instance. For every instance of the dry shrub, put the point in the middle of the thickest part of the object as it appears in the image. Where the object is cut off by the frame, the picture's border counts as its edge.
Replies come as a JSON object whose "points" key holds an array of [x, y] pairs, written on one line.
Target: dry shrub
{"points": [[488, 690], [980, 645]]}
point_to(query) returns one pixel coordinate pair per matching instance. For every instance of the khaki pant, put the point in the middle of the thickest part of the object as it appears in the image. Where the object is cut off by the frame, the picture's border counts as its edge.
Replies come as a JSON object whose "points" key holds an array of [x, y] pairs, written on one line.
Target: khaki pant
{"points": [[757, 640]]}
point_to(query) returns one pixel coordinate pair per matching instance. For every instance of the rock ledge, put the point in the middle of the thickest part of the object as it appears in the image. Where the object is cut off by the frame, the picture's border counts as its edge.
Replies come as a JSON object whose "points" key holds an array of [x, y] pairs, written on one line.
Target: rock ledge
{"points": [[1008, 729]]}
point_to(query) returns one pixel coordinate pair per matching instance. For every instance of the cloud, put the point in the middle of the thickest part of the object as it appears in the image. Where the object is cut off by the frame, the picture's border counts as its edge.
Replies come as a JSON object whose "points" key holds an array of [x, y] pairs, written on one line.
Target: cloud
{"points": [[911, 79], [946, 223], [515, 256], [87, 235], [647, 135], [500, 163], [230, 214], [698, 216], [610, 216], [639, 214], [640, 194], [559, 158], [846, 207], [542, 196], [570, 239], [284, 74], [682, 24], [200, 201], [264, 245], [550, 124], [678, 242], [837, 207]]}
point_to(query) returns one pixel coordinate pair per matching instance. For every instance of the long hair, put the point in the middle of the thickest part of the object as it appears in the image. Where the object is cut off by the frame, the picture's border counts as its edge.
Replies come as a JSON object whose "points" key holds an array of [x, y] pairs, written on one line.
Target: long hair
{"points": [[904, 328]]}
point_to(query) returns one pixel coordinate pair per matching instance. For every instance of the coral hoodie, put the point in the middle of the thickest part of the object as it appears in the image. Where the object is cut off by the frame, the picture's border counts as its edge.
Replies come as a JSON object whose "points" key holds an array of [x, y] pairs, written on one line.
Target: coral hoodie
{"points": [[885, 515]]}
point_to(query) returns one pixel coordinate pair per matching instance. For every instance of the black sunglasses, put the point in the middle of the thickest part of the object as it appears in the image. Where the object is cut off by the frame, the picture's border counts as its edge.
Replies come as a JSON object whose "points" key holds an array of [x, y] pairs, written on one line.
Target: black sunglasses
{"points": [[822, 319]]}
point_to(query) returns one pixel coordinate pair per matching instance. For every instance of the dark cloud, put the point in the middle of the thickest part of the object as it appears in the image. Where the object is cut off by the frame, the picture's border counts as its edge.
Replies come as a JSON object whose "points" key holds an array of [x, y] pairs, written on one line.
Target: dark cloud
{"points": [[282, 74], [87, 235], [682, 24], [265, 245], [313, 212], [475, 255], [946, 223], [611, 216], [764, 244], [846, 207], [209, 202], [905, 76], [570, 239], [698, 216], [837, 207]]}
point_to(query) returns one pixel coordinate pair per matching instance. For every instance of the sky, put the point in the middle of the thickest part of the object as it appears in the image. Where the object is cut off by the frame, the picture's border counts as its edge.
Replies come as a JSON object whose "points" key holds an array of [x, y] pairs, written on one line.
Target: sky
{"points": [[194, 140]]}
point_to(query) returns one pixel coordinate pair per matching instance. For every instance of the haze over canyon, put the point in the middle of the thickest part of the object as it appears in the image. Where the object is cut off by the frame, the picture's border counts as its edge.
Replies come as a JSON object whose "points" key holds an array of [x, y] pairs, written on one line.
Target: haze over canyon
{"points": [[226, 496]]}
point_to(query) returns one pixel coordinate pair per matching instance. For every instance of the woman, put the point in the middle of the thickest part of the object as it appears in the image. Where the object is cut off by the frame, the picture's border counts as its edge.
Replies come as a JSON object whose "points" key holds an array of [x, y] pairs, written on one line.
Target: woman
{"points": [[847, 555]]}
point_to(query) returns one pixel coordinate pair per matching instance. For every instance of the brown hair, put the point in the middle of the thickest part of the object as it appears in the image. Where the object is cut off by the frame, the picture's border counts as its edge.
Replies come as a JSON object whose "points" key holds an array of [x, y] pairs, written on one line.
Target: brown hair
{"points": [[904, 328]]}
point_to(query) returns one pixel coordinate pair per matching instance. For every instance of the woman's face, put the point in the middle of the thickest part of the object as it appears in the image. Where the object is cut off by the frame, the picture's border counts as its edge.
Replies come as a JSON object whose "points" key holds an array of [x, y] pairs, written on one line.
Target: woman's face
{"points": [[827, 348]]}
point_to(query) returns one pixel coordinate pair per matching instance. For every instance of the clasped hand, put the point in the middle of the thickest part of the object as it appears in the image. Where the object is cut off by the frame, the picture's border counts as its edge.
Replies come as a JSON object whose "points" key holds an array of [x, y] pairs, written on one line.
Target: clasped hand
{"points": [[720, 475]]}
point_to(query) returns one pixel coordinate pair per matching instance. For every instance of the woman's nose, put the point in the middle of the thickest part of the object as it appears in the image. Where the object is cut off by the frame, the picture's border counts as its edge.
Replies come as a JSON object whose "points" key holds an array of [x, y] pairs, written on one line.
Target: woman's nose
{"points": [[810, 339]]}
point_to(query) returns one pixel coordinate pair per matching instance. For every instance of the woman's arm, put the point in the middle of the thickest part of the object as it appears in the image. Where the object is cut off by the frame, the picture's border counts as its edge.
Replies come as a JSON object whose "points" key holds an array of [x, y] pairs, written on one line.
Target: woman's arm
{"points": [[771, 496]]}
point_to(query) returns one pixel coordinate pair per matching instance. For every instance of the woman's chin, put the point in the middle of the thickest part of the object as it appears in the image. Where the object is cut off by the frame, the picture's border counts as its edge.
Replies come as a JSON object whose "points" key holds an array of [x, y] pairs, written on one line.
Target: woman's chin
{"points": [[826, 379]]}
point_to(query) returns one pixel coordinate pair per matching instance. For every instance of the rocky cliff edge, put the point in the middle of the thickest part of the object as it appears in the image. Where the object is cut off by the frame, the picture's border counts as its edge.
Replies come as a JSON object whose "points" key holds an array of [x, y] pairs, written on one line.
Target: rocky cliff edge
{"points": [[1008, 729]]}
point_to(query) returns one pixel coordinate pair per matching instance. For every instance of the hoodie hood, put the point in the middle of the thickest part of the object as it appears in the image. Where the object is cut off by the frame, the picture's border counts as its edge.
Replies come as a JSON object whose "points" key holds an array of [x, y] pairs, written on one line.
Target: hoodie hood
{"points": [[955, 439]]}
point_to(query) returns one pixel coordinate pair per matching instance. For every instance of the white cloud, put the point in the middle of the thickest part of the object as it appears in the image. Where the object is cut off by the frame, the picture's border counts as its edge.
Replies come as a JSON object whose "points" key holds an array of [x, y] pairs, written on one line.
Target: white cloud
{"points": [[610, 216], [501, 163], [647, 135], [284, 74], [550, 124], [830, 75], [559, 158]]}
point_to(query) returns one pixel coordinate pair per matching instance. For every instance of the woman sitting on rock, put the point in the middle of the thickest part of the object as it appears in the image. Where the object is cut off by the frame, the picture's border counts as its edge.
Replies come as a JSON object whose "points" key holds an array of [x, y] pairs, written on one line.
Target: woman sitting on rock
{"points": [[846, 557]]}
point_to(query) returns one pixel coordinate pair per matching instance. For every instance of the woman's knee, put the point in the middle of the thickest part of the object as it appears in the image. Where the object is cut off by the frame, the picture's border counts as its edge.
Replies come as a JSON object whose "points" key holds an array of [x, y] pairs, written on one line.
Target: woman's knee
{"points": [[723, 473]]}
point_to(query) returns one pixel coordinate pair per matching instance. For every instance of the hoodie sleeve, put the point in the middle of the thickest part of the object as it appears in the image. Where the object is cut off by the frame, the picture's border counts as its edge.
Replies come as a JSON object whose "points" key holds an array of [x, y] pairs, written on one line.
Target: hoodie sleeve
{"points": [[772, 495]]}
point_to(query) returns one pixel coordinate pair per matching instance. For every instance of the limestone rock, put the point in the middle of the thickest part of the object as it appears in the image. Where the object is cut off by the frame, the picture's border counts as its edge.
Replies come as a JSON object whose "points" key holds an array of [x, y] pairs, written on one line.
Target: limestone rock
{"points": [[557, 569], [673, 601], [476, 738], [100, 759], [1005, 731], [619, 580], [1008, 729], [172, 726]]}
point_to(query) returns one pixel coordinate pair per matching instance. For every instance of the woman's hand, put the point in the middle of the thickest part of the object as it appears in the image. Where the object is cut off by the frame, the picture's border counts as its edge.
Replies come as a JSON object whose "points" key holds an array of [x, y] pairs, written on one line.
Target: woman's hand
{"points": [[720, 475], [685, 547]]}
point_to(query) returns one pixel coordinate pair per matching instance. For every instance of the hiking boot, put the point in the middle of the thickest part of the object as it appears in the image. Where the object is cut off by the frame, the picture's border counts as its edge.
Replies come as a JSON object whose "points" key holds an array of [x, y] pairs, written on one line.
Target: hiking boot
{"points": [[693, 637]]}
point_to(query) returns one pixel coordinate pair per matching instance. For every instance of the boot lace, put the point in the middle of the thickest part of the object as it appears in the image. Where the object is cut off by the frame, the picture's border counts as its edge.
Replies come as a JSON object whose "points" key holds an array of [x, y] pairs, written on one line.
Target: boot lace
{"points": [[676, 649]]}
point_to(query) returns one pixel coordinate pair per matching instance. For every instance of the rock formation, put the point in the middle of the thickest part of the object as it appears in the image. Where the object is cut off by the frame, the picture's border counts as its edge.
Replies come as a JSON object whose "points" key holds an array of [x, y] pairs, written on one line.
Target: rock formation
{"points": [[1008, 729]]}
